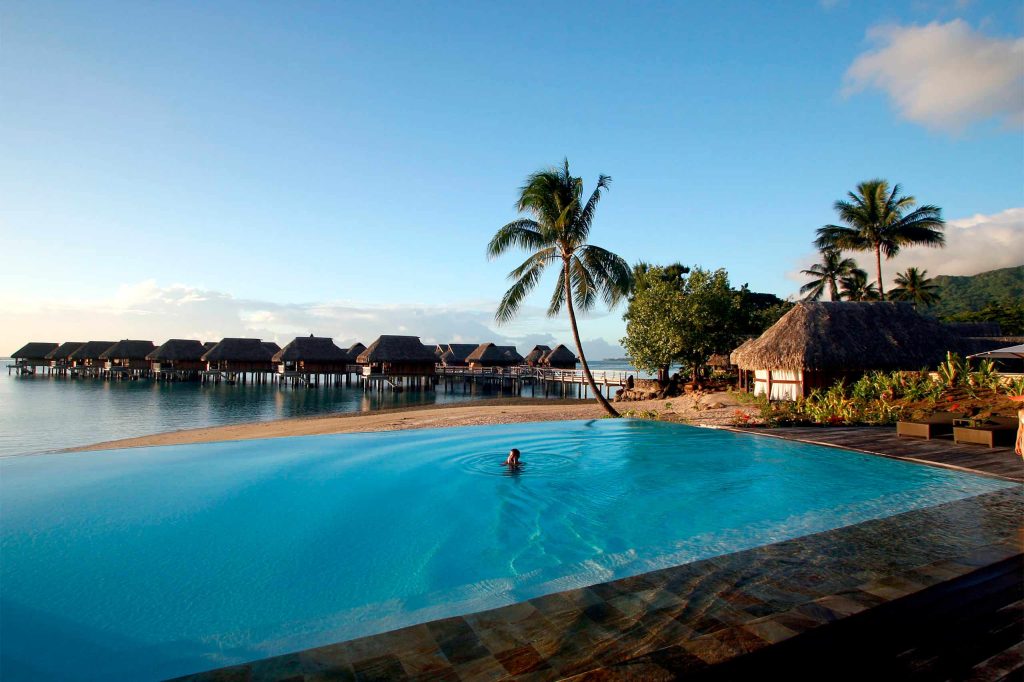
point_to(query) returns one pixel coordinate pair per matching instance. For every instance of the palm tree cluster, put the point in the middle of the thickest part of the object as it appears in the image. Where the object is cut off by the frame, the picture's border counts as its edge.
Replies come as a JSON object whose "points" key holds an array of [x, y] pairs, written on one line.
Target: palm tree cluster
{"points": [[557, 234], [877, 218]]}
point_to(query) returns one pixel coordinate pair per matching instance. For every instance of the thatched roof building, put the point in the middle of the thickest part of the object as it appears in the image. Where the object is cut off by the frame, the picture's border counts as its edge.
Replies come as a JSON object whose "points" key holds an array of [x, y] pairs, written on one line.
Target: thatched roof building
{"points": [[129, 353], [178, 355], [819, 342], [560, 358], [179, 350], [241, 355], [454, 354], [34, 353], [312, 354], [394, 355], [490, 355], [88, 355], [60, 354], [537, 355], [354, 351]]}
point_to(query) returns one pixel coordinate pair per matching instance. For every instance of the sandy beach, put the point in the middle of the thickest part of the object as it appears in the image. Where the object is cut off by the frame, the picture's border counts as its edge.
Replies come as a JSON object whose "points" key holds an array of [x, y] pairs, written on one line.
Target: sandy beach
{"points": [[715, 409]]}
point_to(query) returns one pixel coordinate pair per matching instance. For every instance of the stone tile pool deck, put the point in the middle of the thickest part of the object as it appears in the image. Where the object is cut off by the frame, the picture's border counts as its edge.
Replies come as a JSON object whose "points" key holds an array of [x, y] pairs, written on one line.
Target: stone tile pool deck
{"points": [[956, 565]]}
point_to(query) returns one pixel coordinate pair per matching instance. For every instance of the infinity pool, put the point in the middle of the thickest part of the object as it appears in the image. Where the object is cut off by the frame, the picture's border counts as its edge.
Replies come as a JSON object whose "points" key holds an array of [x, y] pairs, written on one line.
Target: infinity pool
{"points": [[148, 563]]}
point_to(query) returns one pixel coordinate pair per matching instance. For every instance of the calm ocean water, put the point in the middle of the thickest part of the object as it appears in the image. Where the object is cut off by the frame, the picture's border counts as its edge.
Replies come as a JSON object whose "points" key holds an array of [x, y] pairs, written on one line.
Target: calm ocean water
{"points": [[40, 413]]}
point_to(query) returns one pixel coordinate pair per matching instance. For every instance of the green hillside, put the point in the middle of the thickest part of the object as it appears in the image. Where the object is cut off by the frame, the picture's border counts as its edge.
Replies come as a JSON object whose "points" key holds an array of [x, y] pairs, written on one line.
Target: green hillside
{"points": [[974, 292]]}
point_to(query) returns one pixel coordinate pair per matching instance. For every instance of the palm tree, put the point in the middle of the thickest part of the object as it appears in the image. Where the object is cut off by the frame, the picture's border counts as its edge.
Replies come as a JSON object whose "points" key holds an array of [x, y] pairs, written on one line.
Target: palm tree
{"points": [[557, 233], [856, 287], [877, 219], [827, 273], [914, 286]]}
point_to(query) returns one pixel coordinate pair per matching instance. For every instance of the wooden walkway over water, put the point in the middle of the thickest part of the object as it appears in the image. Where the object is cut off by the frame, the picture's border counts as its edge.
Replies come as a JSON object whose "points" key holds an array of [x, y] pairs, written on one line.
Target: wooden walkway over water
{"points": [[536, 381], [563, 382]]}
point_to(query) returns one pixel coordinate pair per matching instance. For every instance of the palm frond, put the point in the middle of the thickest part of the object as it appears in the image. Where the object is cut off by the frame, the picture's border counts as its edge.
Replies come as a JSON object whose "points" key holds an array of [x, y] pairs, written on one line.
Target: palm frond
{"points": [[513, 298], [584, 286], [611, 273], [523, 233], [558, 295]]}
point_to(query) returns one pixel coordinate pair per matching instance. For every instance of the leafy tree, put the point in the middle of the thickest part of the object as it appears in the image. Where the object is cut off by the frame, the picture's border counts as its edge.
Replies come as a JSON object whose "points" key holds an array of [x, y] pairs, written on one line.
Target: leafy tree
{"points": [[675, 318], [879, 219], [856, 287], [757, 311], [557, 234], [708, 314], [827, 274], [914, 286], [654, 325]]}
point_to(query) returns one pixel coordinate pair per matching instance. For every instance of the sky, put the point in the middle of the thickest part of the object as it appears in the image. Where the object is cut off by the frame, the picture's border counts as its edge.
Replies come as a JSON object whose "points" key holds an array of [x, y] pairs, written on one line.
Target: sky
{"points": [[177, 169]]}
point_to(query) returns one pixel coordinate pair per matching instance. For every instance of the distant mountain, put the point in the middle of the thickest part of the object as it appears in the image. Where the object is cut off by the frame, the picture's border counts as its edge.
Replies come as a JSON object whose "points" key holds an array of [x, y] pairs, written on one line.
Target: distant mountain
{"points": [[972, 293]]}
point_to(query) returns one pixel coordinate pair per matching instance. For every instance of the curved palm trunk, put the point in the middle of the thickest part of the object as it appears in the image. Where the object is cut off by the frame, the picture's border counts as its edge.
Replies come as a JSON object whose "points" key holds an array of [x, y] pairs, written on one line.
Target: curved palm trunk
{"points": [[878, 267], [833, 289], [579, 349]]}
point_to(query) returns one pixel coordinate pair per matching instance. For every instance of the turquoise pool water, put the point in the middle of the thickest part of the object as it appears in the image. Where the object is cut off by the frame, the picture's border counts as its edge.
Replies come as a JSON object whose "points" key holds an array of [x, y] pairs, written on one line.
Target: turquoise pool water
{"points": [[148, 563]]}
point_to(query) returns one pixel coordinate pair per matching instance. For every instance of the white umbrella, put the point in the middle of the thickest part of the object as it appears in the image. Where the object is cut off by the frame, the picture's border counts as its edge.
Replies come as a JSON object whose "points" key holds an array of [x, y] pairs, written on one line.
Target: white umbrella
{"points": [[1008, 352]]}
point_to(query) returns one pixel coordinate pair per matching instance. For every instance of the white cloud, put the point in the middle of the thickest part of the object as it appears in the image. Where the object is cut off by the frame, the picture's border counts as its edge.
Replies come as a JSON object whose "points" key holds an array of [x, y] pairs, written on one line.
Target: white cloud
{"points": [[943, 76], [146, 310], [975, 244]]}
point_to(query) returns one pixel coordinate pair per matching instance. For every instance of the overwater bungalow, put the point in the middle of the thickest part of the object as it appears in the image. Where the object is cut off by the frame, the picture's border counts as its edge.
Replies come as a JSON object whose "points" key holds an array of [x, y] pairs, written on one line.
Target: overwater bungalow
{"points": [[233, 356], [397, 357], [88, 356], [128, 355], [490, 355], [178, 358], [311, 355], [536, 356], [454, 354], [560, 358], [354, 351], [32, 355], [59, 357], [820, 342]]}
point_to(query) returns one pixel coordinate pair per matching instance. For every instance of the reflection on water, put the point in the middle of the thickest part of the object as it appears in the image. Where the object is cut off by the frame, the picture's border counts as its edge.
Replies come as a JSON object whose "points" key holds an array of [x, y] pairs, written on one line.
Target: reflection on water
{"points": [[39, 413]]}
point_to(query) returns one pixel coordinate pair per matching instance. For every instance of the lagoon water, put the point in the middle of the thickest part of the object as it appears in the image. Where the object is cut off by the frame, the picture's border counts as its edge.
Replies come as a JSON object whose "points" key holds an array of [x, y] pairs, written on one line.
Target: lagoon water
{"points": [[41, 413]]}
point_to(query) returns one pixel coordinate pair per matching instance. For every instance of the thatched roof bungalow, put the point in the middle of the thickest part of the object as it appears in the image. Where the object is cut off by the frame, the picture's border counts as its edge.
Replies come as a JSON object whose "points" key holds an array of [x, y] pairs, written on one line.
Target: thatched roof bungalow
{"points": [[89, 354], [817, 343], [354, 351], [33, 354], [241, 355], [537, 355], [312, 355], [393, 355], [490, 355], [454, 354], [59, 356], [560, 358], [181, 355], [128, 354]]}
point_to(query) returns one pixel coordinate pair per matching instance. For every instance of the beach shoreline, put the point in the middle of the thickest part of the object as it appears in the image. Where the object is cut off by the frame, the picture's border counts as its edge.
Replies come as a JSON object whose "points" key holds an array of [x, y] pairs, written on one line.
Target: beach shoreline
{"points": [[686, 409]]}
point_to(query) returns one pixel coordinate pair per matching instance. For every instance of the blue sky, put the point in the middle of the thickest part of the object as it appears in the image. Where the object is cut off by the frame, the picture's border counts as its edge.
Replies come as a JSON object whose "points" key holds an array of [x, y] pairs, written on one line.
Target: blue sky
{"points": [[360, 155]]}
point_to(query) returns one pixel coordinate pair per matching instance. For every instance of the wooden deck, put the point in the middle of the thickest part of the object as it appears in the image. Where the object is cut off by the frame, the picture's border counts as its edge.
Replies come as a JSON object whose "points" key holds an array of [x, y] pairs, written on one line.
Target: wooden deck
{"points": [[1000, 462]]}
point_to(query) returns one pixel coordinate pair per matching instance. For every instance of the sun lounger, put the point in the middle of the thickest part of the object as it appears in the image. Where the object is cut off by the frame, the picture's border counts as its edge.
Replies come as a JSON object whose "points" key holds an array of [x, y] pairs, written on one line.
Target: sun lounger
{"points": [[986, 434], [937, 424]]}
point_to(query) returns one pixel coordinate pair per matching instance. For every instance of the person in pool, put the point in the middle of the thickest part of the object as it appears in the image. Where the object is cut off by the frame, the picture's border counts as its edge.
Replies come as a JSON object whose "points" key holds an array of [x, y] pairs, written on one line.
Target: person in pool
{"points": [[512, 462]]}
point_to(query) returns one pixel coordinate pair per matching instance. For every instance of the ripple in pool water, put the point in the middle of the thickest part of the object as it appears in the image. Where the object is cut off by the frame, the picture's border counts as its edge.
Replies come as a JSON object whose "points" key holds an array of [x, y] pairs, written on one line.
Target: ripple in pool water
{"points": [[149, 563]]}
